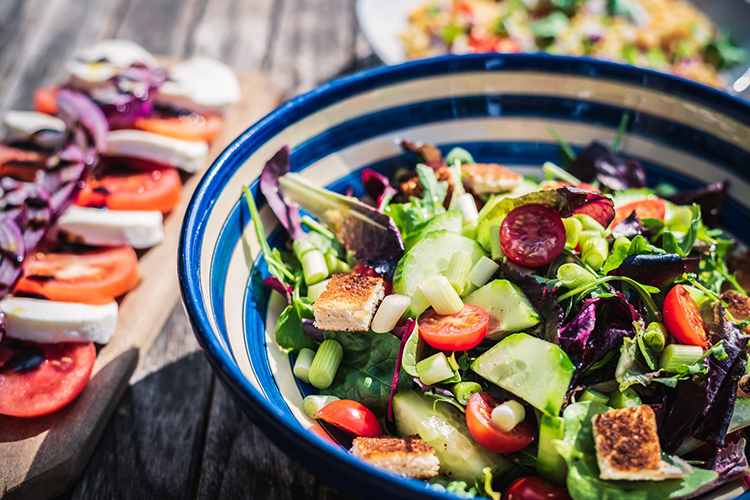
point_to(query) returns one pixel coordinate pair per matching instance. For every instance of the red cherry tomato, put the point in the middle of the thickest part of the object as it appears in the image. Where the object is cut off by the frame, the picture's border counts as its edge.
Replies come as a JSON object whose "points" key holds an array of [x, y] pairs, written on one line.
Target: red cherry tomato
{"points": [[454, 332], [156, 189], [652, 208], [367, 271], [90, 277], [351, 416], [532, 235], [683, 318], [479, 421], [37, 379], [535, 488]]}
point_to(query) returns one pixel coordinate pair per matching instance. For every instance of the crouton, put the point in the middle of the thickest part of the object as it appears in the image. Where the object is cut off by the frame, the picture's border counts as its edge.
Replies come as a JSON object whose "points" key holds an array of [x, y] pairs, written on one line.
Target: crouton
{"points": [[738, 306], [409, 456], [489, 178], [627, 446], [348, 303]]}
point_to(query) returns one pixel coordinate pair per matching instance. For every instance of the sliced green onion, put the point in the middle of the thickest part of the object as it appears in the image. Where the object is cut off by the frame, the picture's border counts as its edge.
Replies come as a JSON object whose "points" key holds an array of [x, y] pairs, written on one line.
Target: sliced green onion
{"points": [[625, 399], [314, 267], [508, 415], [302, 365], [325, 364], [336, 265], [441, 295], [592, 395], [655, 336], [589, 223], [389, 312], [419, 303], [468, 208], [302, 246], [464, 390], [311, 405], [434, 369], [458, 271], [572, 275], [675, 355], [460, 155], [483, 271], [552, 171], [314, 291], [587, 235], [469, 231], [622, 241], [594, 252], [317, 227], [496, 248], [573, 228]]}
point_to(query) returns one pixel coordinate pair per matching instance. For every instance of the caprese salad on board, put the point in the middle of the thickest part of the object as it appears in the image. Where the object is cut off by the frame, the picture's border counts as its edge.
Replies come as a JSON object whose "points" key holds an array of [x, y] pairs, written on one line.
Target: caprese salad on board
{"points": [[85, 181]]}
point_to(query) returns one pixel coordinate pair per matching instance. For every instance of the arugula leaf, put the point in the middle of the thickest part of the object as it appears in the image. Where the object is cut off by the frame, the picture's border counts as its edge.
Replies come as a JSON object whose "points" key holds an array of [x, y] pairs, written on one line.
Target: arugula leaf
{"points": [[550, 26], [434, 191], [366, 371], [684, 245], [633, 368], [578, 449]]}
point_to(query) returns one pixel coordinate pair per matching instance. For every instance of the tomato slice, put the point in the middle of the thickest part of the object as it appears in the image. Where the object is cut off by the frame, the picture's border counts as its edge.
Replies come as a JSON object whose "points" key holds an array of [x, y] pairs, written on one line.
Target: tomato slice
{"points": [[532, 235], [37, 379], [559, 184], [651, 208], [478, 420], [156, 189], [45, 99], [368, 271], [535, 488], [683, 319], [454, 332], [351, 416], [192, 127], [91, 277], [21, 164]]}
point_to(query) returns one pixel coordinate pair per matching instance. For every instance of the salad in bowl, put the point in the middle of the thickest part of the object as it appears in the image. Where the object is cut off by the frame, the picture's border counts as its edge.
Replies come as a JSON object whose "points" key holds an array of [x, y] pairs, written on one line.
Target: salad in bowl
{"points": [[580, 335]]}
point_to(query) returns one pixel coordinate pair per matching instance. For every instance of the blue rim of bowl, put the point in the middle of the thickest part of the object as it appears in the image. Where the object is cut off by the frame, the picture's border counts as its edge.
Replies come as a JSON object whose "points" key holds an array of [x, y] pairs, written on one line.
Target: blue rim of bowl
{"points": [[283, 429]]}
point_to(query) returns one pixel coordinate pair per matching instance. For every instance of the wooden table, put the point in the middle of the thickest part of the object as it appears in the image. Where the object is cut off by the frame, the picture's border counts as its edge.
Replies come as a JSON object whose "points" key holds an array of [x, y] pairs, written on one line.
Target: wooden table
{"points": [[176, 433]]}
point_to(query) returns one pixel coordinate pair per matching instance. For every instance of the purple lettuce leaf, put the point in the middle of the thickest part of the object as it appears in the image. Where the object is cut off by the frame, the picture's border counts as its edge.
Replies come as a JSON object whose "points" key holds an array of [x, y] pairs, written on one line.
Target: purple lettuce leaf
{"points": [[275, 284], [628, 228], [729, 463], [432, 388], [378, 187], [542, 298], [370, 234], [599, 163], [599, 326], [286, 211], [655, 270], [710, 198], [405, 334], [428, 154], [312, 331]]}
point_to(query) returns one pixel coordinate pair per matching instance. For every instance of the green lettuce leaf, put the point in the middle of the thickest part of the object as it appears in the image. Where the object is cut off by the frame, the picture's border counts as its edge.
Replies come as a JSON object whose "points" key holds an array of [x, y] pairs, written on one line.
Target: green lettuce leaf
{"points": [[639, 246]]}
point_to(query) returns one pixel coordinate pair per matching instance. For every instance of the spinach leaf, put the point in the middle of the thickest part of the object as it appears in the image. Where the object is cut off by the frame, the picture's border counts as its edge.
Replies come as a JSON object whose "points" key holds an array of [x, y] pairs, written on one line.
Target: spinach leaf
{"points": [[366, 371], [578, 450], [413, 352], [289, 332]]}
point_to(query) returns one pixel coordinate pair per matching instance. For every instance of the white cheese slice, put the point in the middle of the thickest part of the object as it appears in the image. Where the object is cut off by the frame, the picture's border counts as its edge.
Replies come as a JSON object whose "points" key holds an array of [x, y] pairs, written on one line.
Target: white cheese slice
{"points": [[200, 84], [189, 156], [103, 60], [94, 226], [42, 129], [48, 322]]}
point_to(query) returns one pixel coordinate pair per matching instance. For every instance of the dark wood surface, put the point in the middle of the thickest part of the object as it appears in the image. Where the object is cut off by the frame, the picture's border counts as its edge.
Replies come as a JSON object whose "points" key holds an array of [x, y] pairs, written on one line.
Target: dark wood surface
{"points": [[176, 433]]}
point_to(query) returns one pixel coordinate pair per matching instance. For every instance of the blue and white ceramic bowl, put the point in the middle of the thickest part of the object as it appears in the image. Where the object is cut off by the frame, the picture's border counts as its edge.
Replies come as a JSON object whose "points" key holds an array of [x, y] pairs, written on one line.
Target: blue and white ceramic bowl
{"points": [[500, 108]]}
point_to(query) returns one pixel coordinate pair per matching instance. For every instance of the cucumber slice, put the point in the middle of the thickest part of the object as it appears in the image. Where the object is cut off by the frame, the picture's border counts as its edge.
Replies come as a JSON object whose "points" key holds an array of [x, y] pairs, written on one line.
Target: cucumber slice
{"points": [[509, 309], [550, 464], [536, 371], [452, 220], [430, 257], [443, 427]]}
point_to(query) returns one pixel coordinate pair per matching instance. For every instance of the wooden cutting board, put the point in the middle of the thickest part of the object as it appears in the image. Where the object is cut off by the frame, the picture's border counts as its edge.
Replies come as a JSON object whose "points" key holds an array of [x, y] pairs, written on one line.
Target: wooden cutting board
{"points": [[40, 458]]}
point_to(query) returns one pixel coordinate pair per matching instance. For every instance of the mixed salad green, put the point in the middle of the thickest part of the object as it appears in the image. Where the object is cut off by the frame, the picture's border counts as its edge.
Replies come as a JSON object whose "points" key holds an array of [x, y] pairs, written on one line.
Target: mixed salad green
{"points": [[512, 318]]}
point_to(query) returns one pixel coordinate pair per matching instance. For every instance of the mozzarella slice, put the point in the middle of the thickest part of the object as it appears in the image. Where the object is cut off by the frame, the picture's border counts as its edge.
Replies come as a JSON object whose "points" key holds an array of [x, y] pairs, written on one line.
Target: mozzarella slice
{"points": [[94, 226], [29, 126], [50, 322], [189, 156], [101, 61], [200, 84]]}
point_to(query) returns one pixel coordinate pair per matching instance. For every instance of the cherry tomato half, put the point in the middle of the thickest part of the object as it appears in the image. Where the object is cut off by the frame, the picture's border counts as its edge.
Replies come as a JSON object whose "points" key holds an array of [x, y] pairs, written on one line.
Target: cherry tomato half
{"points": [[683, 319], [651, 208], [535, 488], [454, 332], [479, 421], [91, 277], [368, 271], [37, 379], [351, 416], [532, 235], [158, 189]]}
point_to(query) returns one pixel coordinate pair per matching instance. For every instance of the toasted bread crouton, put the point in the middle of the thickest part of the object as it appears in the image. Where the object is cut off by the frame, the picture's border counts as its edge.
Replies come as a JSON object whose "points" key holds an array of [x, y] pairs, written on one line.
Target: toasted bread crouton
{"points": [[627, 446], [409, 456], [412, 186], [738, 306], [348, 303], [489, 178]]}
